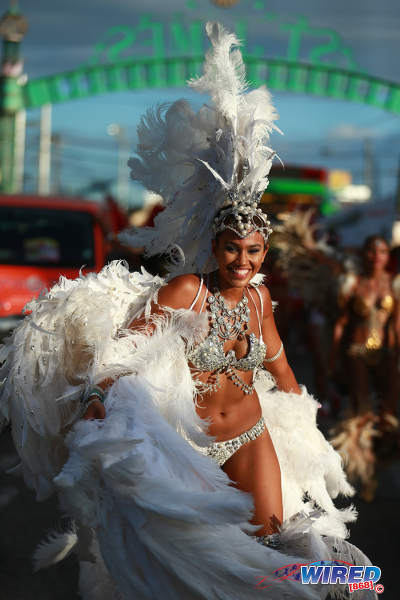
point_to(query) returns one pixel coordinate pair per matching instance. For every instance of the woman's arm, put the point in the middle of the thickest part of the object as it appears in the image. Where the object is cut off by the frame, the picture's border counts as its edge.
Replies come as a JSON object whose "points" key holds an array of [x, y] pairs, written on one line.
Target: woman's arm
{"points": [[178, 293], [347, 288], [279, 366], [338, 330]]}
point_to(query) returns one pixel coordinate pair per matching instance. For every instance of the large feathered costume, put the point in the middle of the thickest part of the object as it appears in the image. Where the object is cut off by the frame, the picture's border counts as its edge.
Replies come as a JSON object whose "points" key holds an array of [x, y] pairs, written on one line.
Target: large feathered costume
{"points": [[155, 517], [159, 518]]}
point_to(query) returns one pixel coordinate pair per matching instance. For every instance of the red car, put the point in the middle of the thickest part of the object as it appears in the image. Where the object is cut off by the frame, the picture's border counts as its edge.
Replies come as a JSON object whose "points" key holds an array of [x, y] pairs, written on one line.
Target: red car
{"points": [[42, 238]]}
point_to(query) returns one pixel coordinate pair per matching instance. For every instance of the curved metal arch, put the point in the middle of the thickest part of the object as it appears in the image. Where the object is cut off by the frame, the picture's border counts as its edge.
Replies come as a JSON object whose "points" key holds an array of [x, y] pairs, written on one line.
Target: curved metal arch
{"points": [[277, 74]]}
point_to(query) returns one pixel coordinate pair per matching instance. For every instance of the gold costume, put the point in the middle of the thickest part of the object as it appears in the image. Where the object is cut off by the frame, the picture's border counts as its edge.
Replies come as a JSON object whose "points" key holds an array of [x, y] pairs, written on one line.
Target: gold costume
{"points": [[376, 315]]}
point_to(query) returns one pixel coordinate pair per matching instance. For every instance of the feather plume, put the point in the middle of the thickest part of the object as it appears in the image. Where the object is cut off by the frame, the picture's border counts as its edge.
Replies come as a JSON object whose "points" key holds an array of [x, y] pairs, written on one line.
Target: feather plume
{"points": [[192, 158], [224, 74], [55, 548]]}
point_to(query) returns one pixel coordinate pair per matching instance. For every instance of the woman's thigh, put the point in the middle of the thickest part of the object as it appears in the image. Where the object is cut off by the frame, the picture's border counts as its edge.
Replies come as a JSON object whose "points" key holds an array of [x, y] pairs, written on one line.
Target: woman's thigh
{"points": [[254, 468]]}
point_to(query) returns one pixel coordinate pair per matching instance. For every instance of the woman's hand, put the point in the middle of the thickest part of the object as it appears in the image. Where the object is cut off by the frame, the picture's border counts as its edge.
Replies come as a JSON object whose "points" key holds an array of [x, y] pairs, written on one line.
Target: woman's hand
{"points": [[95, 410]]}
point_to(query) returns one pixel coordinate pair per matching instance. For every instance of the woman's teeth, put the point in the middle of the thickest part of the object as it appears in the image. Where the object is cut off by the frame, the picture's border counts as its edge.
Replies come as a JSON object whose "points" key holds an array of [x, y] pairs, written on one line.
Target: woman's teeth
{"points": [[240, 271]]}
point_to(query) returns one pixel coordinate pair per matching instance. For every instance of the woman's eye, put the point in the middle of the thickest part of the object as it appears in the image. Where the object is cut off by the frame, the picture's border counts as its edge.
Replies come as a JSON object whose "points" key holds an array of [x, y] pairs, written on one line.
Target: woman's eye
{"points": [[233, 249]]}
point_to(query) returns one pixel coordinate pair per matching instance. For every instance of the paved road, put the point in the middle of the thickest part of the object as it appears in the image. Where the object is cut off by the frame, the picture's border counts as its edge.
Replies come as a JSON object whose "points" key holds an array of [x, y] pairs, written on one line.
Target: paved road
{"points": [[23, 524]]}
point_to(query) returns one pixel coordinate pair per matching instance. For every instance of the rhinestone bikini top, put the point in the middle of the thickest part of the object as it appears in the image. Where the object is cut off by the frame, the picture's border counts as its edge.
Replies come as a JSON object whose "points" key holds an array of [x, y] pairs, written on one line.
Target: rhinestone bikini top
{"points": [[227, 323], [210, 355]]}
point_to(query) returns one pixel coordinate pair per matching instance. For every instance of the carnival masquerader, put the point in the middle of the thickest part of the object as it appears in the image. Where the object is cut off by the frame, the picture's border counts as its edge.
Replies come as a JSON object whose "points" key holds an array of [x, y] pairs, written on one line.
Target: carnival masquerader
{"points": [[366, 337], [203, 472]]}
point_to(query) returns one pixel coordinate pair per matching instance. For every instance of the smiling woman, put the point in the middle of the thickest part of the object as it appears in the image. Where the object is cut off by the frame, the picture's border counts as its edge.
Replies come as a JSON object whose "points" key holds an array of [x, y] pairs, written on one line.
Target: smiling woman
{"points": [[242, 335], [198, 466], [239, 259]]}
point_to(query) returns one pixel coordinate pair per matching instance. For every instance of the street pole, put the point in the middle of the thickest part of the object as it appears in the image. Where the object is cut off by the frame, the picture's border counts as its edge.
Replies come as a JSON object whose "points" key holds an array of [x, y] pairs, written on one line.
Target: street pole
{"points": [[118, 132], [13, 27], [398, 189], [369, 175], [19, 150], [44, 166], [56, 165]]}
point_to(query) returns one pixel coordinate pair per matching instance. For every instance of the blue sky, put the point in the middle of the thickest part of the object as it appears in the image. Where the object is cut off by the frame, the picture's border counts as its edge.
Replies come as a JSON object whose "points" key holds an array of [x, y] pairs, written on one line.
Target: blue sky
{"points": [[322, 132]]}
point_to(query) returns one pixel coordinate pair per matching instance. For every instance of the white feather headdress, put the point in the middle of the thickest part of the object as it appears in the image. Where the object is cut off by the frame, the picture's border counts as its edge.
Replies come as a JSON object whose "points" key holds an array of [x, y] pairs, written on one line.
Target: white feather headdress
{"points": [[197, 160]]}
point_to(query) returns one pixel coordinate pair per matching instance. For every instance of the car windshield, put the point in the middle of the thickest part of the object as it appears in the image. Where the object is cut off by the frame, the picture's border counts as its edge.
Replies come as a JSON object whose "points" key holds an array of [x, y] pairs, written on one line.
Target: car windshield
{"points": [[46, 237]]}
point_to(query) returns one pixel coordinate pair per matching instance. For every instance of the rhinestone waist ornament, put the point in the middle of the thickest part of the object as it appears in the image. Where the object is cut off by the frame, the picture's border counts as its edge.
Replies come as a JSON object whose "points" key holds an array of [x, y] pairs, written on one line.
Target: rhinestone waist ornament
{"points": [[227, 324]]}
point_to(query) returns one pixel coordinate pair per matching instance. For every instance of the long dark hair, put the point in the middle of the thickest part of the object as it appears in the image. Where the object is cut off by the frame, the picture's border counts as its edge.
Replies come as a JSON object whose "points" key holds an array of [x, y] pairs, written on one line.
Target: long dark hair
{"points": [[371, 239]]}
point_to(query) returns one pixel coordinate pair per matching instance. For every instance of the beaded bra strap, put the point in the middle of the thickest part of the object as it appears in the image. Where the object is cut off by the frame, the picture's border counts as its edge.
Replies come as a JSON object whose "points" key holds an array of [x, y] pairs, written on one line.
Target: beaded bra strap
{"points": [[205, 295], [261, 302], [257, 313], [198, 294]]}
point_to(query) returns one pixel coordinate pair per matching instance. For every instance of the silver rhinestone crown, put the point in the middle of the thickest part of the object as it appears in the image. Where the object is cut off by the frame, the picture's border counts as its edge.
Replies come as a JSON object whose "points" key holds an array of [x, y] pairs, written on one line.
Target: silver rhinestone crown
{"points": [[242, 214]]}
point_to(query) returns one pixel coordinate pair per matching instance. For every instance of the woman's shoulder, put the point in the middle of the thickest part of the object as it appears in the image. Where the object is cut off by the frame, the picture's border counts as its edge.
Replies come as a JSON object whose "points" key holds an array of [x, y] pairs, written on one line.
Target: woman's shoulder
{"points": [[264, 292], [265, 297], [347, 285], [180, 291]]}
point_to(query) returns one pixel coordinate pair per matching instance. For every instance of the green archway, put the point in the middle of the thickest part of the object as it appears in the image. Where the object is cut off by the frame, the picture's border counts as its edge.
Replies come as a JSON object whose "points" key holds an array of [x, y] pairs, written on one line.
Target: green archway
{"points": [[277, 74]]}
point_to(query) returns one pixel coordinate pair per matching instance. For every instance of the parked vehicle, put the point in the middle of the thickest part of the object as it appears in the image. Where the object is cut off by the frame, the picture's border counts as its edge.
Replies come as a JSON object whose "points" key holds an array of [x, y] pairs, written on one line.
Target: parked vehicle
{"points": [[42, 238]]}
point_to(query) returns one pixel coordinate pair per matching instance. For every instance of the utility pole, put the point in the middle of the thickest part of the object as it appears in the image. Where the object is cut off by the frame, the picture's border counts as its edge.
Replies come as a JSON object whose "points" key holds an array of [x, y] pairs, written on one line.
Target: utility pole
{"points": [[369, 166], [13, 27], [57, 146], [19, 150], [118, 132], [44, 167], [398, 189]]}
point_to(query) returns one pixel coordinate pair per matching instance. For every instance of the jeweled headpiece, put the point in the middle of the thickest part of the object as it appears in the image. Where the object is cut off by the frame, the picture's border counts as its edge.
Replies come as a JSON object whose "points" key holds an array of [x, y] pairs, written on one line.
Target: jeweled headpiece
{"points": [[242, 214], [210, 166]]}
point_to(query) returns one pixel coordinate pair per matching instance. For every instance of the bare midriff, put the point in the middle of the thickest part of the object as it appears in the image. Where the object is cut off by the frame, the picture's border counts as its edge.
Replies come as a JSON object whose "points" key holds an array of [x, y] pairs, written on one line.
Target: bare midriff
{"points": [[230, 411], [360, 333]]}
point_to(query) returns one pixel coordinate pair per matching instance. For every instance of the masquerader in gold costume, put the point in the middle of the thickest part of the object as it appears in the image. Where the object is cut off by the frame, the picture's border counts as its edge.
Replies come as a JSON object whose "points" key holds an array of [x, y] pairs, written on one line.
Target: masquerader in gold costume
{"points": [[366, 335]]}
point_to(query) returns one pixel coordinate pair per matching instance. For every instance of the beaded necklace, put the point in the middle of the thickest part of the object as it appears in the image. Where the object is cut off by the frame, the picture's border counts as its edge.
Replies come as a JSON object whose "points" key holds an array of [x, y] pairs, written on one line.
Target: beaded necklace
{"points": [[227, 324]]}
